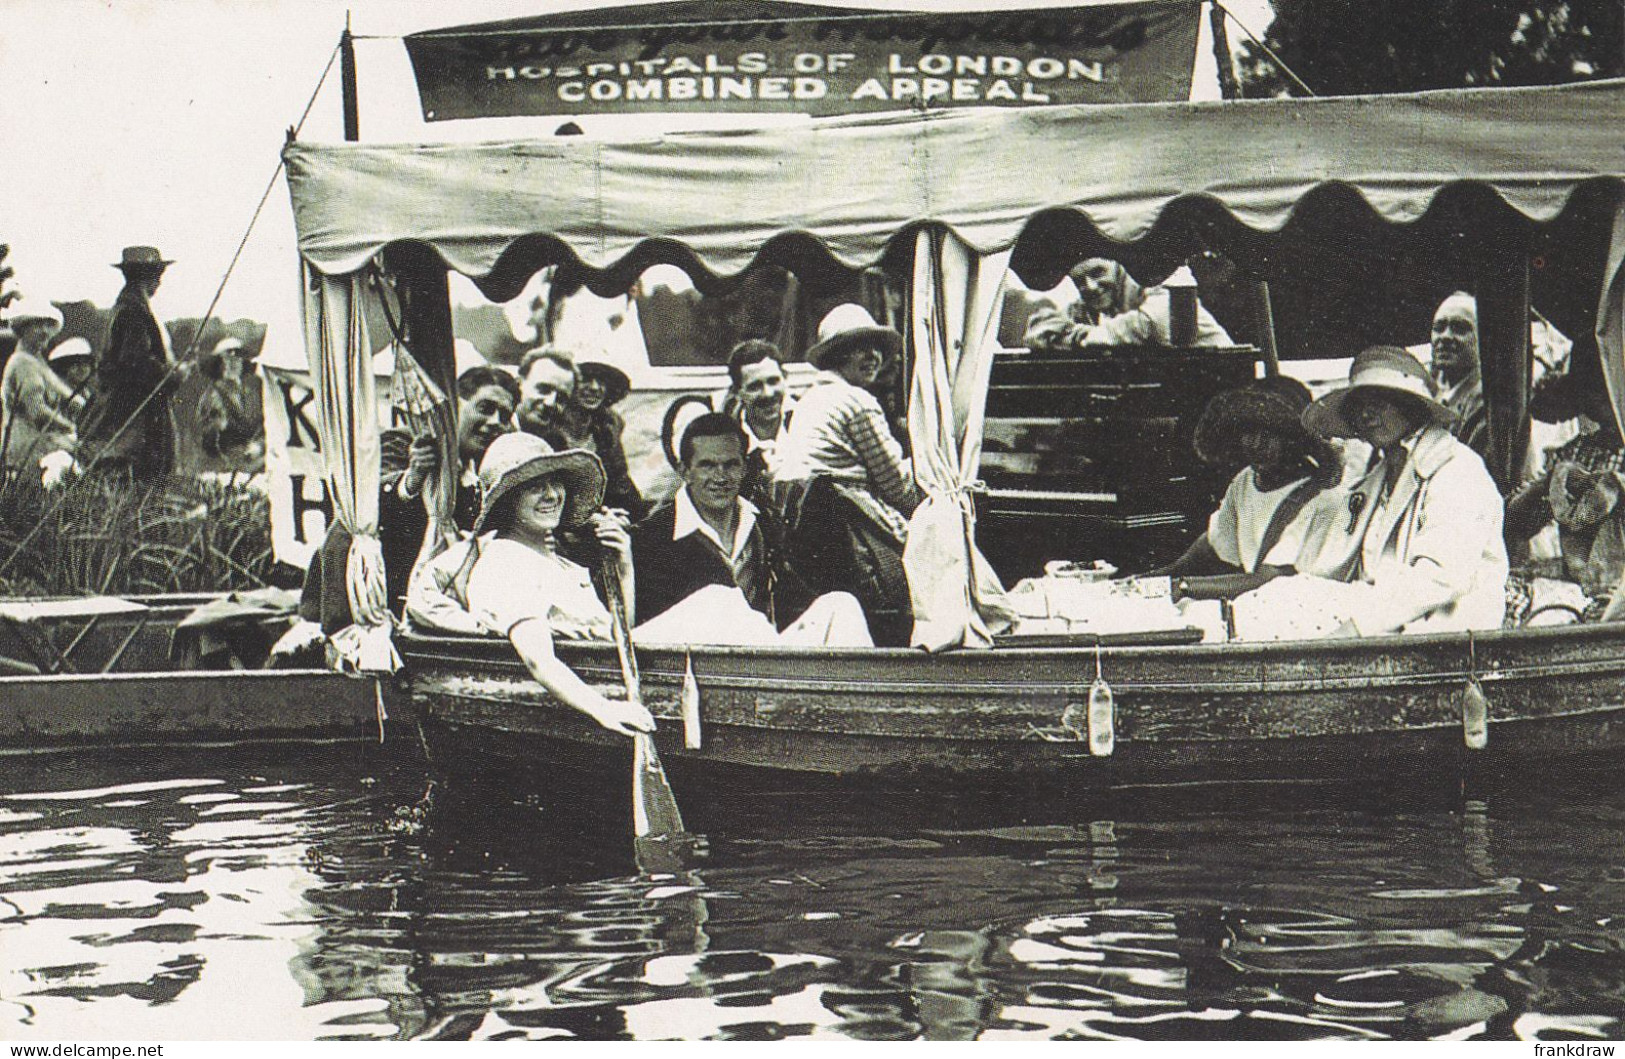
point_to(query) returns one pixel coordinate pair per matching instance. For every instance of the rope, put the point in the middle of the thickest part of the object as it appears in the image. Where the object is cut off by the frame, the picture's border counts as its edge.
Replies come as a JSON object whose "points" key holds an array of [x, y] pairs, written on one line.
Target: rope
{"points": [[197, 336], [877, 16], [1265, 48]]}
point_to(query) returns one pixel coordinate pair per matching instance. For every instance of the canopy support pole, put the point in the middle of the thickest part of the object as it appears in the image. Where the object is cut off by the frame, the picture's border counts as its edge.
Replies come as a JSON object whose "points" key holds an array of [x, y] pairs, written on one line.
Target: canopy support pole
{"points": [[421, 279], [425, 298], [352, 108], [1504, 357], [1221, 52]]}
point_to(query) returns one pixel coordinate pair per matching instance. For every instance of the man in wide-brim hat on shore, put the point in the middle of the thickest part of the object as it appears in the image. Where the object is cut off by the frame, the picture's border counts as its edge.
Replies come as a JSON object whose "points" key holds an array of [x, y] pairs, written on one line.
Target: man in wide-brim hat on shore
{"points": [[847, 489], [129, 426]]}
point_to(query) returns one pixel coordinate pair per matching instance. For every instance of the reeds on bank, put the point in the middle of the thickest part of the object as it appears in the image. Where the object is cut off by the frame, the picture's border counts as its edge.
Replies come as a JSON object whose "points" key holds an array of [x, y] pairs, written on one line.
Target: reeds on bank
{"points": [[111, 535]]}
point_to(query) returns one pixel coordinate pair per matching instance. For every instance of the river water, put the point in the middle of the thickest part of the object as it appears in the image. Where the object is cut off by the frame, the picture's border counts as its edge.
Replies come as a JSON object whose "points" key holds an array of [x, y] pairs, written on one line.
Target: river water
{"points": [[339, 892]]}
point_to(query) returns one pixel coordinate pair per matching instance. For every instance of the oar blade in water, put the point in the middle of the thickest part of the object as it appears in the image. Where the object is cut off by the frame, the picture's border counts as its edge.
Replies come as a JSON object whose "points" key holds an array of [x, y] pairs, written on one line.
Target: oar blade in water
{"points": [[654, 806]]}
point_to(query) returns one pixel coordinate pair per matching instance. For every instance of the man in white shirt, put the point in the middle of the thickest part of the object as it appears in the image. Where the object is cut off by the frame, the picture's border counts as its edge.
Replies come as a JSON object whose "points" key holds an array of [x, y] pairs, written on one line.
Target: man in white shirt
{"points": [[710, 537]]}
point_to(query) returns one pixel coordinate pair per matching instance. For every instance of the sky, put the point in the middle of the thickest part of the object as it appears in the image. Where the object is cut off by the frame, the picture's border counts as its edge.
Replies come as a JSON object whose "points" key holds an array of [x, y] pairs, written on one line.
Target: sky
{"points": [[161, 121]]}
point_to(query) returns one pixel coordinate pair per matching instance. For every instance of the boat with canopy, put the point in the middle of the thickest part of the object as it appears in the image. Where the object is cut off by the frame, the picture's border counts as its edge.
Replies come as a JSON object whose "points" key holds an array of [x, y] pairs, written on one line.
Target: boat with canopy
{"points": [[1518, 190]]}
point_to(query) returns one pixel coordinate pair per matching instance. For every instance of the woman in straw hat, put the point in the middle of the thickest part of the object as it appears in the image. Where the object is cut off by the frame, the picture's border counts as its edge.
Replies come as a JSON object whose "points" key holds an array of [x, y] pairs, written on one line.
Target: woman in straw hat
{"points": [[34, 401], [515, 583], [847, 490], [1261, 525], [1421, 549]]}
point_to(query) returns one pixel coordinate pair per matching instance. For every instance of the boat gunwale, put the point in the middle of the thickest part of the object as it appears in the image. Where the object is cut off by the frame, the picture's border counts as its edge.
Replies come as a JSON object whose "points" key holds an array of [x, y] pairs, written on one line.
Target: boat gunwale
{"points": [[451, 649]]}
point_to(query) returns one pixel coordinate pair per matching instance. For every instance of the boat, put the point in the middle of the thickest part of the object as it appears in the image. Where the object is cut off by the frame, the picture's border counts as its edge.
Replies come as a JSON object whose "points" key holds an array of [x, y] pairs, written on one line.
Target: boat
{"points": [[103, 671], [1019, 716], [1517, 190]]}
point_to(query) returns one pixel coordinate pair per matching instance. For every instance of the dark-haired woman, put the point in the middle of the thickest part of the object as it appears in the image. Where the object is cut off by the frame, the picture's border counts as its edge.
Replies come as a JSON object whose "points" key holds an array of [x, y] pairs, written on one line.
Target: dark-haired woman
{"points": [[1268, 511], [601, 388]]}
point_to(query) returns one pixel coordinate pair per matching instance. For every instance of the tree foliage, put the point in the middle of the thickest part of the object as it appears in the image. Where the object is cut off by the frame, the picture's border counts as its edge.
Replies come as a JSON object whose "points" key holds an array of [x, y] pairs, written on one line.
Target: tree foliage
{"points": [[1348, 47]]}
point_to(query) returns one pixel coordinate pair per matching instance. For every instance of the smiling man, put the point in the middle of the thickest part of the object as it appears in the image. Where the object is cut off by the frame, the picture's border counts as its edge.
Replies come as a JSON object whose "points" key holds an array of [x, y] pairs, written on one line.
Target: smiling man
{"points": [[486, 397], [709, 536]]}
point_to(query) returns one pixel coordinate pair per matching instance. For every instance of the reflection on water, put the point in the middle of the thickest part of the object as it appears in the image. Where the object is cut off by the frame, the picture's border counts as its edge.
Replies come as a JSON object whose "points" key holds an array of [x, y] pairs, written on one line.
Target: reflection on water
{"points": [[340, 894]]}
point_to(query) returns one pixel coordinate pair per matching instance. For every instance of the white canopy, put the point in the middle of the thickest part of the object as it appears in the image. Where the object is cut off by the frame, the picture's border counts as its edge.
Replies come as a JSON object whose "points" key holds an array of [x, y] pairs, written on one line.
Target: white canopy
{"points": [[854, 185]]}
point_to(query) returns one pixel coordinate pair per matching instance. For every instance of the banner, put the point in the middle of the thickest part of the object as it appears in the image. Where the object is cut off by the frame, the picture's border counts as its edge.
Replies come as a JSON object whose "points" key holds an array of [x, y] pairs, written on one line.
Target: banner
{"points": [[300, 506], [740, 55]]}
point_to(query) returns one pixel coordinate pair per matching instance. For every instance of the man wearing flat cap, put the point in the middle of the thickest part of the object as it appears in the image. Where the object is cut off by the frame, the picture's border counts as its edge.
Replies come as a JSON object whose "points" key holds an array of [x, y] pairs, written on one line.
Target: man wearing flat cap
{"points": [[129, 427]]}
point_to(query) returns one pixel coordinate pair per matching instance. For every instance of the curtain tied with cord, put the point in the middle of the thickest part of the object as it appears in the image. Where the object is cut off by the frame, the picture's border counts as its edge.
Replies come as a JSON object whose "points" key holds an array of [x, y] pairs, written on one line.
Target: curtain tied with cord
{"points": [[957, 598], [339, 348]]}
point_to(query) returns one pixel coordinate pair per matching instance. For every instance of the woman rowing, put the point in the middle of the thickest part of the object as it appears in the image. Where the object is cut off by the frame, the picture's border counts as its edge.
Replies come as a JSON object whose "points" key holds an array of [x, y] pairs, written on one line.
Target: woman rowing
{"points": [[516, 584]]}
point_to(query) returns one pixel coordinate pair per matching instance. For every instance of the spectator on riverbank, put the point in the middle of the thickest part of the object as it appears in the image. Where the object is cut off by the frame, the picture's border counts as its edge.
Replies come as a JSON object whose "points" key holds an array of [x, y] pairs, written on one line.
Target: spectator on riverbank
{"points": [[73, 361], [130, 427], [35, 405], [226, 429]]}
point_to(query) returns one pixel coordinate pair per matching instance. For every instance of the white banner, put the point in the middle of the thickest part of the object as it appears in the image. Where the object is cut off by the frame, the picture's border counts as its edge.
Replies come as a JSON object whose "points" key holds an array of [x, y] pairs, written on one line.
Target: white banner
{"points": [[300, 506]]}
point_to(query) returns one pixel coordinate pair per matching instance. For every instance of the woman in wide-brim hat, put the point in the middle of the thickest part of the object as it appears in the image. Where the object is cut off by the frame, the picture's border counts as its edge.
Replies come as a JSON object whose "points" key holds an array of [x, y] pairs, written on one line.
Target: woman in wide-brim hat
{"points": [[1379, 374], [34, 401], [1254, 534], [516, 584], [847, 330], [1418, 542]]}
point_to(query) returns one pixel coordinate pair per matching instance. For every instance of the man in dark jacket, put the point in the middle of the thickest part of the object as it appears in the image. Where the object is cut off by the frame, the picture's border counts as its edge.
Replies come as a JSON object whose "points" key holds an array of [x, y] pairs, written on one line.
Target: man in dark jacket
{"points": [[129, 426], [709, 535], [486, 397]]}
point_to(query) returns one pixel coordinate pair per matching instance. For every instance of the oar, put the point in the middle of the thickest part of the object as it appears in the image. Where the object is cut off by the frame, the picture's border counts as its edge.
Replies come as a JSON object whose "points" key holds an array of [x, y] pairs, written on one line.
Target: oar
{"points": [[655, 817]]}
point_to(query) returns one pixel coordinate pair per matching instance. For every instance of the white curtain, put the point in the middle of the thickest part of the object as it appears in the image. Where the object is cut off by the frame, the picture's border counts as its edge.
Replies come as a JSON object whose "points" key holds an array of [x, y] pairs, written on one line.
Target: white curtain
{"points": [[340, 352], [957, 598]]}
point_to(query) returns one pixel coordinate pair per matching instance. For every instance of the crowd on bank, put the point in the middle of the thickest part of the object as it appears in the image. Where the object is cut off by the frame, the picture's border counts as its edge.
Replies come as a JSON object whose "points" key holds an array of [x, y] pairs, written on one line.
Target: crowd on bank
{"points": [[63, 406]]}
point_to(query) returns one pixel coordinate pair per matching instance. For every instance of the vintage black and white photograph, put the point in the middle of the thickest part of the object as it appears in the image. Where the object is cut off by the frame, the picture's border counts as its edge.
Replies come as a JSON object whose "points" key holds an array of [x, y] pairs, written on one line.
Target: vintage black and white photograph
{"points": [[898, 520]]}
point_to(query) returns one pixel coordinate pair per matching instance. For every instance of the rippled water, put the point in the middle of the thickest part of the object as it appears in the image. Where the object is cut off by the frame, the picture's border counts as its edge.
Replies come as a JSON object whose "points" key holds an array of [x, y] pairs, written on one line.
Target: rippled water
{"points": [[336, 893]]}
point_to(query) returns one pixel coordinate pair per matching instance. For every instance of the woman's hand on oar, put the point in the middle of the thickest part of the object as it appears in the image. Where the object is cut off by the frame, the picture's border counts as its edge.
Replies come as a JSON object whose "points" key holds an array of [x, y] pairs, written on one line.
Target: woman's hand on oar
{"points": [[623, 717]]}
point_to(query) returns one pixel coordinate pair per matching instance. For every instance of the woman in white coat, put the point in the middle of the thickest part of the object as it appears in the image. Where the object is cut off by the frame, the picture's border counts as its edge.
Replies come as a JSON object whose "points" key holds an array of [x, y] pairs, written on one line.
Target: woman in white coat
{"points": [[1419, 548]]}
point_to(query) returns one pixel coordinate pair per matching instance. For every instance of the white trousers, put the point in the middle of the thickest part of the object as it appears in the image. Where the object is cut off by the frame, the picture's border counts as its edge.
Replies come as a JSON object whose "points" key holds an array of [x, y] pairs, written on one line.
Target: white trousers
{"points": [[718, 614]]}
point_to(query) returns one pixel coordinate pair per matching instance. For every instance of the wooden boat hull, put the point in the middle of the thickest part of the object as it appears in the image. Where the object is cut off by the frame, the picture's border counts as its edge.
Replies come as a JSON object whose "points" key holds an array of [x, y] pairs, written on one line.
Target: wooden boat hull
{"points": [[1230, 713], [118, 686]]}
